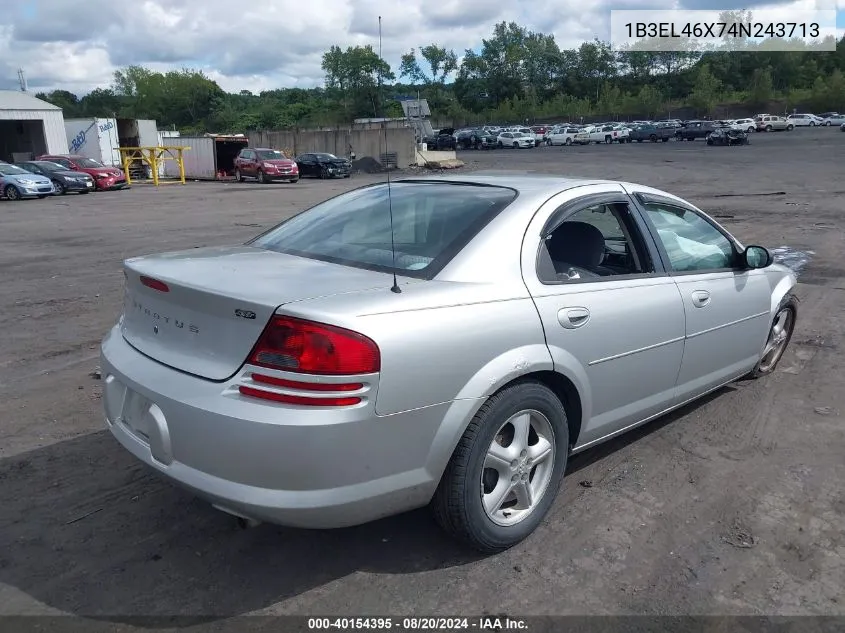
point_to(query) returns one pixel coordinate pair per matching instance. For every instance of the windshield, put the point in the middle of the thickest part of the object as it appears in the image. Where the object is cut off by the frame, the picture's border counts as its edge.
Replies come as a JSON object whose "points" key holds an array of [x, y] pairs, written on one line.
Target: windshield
{"points": [[12, 170], [270, 154], [89, 163], [432, 222], [326, 156]]}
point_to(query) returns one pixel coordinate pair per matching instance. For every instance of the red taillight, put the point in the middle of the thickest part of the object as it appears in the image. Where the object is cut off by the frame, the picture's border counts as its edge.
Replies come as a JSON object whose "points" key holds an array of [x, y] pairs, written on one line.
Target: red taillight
{"points": [[343, 401], [306, 386], [155, 284], [307, 347]]}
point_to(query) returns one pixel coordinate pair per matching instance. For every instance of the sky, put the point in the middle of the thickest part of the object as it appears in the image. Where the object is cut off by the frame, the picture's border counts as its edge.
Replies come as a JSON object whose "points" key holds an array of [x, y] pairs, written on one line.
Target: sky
{"points": [[77, 46]]}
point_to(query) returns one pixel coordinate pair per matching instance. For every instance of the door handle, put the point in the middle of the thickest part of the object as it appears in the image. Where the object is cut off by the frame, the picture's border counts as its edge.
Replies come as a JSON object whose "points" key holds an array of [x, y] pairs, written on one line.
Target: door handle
{"points": [[700, 298], [572, 318]]}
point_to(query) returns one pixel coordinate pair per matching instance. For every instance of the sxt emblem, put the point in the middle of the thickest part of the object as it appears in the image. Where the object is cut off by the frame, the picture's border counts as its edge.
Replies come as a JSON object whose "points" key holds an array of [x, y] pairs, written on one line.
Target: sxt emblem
{"points": [[245, 314]]}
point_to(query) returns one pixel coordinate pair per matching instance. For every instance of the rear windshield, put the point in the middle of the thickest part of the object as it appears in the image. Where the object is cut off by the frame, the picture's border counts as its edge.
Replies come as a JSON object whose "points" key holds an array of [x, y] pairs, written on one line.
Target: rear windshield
{"points": [[432, 222]]}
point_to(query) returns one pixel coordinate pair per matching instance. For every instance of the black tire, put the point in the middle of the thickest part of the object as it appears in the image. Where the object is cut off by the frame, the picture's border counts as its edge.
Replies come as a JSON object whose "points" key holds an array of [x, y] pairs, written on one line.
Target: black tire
{"points": [[515, 145], [765, 367], [60, 187], [812, 124], [710, 141], [262, 177], [653, 138], [768, 128], [239, 177], [608, 139], [293, 181], [568, 141], [457, 503], [791, 127], [499, 144], [751, 129], [11, 193]]}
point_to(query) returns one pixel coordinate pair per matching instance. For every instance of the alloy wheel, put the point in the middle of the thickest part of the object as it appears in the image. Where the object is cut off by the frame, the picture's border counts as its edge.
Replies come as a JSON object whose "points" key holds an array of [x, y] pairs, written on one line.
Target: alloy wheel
{"points": [[12, 193], [518, 467], [778, 339]]}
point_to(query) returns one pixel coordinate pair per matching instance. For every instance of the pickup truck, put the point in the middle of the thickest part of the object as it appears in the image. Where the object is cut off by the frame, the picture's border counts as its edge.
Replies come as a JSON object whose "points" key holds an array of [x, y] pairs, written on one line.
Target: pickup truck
{"points": [[695, 129], [652, 133], [602, 134]]}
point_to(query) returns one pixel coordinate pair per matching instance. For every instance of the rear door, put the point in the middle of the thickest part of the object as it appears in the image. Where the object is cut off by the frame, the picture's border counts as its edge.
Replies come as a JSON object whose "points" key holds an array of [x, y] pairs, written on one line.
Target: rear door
{"points": [[727, 306], [618, 332], [247, 163]]}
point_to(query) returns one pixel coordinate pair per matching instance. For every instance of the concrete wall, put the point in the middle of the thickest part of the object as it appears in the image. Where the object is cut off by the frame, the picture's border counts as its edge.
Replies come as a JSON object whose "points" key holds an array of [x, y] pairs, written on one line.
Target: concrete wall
{"points": [[362, 142]]}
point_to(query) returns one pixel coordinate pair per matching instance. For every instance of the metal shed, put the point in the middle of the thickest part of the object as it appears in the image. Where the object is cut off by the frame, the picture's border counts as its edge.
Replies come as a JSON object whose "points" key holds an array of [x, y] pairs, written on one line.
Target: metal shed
{"points": [[211, 157], [29, 127]]}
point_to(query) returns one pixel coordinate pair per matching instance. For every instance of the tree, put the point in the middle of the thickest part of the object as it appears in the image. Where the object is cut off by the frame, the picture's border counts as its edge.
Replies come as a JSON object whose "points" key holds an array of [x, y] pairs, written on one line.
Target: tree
{"points": [[706, 91], [760, 93], [356, 74]]}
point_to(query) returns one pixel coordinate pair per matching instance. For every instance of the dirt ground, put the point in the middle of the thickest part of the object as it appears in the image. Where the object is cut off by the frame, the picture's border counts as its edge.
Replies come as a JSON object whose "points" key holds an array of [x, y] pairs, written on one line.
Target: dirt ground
{"points": [[732, 506]]}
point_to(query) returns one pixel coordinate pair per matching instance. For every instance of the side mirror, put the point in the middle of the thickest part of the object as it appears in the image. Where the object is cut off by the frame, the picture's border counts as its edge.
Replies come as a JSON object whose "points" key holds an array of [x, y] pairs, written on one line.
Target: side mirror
{"points": [[757, 257]]}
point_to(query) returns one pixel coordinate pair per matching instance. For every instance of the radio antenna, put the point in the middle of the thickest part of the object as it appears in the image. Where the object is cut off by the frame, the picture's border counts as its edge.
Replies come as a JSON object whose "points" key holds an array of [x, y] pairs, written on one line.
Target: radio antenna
{"points": [[395, 288]]}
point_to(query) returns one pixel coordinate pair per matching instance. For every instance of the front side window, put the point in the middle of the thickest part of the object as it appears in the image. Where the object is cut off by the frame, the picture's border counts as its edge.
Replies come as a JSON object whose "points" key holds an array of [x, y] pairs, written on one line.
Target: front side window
{"points": [[690, 241], [597, 241], [432, 221]]}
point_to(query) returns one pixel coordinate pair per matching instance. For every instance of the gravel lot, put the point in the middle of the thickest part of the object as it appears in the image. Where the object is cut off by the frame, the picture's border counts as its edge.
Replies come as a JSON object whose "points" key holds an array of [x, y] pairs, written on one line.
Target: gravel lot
{"points": [[732, 506]]}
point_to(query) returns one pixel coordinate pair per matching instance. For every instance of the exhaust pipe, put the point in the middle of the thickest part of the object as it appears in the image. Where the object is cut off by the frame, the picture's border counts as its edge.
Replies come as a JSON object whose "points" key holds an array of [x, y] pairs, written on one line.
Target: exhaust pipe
{"points": [[244, 522]]}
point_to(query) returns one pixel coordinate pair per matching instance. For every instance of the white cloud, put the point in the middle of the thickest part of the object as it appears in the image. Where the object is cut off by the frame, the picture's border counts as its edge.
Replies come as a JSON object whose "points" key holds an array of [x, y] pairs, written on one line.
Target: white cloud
{"points": [[77, 46]]}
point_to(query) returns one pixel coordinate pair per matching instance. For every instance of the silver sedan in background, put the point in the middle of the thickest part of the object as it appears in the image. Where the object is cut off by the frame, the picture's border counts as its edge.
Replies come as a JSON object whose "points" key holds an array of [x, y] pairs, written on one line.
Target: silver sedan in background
{"points": [[445, 342]]}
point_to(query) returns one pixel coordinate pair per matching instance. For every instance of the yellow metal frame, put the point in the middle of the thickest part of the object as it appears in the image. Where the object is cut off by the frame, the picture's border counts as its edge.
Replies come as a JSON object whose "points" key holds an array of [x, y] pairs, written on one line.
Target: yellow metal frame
{"points": [[153, 156]]}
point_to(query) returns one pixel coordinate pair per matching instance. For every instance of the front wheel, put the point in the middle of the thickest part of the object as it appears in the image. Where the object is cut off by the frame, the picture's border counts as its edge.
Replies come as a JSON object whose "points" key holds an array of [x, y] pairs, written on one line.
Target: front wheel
{"points": [[11, 192], [750, 130], [506, 470], [768, 128], [262, 178], [239, 176], [780, 333], [812, 124], [789, 128], [59, 187]]}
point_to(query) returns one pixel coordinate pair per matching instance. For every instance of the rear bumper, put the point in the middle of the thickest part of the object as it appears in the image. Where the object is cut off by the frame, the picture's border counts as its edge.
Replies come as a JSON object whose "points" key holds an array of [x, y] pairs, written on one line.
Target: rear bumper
{"points": [[292, 466]]}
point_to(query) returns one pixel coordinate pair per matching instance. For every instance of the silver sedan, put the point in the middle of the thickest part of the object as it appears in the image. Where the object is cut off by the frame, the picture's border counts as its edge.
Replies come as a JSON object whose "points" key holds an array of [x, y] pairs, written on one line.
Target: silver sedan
{"points": [[445, 342]]}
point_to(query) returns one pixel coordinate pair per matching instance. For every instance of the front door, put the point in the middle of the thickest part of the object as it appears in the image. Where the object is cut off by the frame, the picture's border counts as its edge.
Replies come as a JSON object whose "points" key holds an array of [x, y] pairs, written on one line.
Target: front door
{"points": [[613, 318], [728, 307]]}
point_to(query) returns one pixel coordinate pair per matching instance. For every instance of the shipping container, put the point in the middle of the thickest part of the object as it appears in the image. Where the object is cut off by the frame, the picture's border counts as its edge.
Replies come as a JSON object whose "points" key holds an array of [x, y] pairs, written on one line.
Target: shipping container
{"points": [[94, 138], [167, 138], [210, 157], [100, 138]]}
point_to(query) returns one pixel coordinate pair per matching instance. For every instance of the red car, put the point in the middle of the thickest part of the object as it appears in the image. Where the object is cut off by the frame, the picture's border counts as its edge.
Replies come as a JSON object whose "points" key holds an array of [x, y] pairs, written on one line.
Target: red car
{"points": [[105, 178], [266, 165]]}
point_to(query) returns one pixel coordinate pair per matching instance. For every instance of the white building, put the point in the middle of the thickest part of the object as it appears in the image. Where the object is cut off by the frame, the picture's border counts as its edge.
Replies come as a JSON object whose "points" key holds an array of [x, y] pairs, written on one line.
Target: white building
{"points": [[29, 127]]}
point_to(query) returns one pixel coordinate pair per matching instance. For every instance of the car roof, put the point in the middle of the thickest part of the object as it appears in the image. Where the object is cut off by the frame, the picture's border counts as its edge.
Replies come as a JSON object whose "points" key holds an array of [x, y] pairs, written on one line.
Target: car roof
{"points": [[524, 183]]}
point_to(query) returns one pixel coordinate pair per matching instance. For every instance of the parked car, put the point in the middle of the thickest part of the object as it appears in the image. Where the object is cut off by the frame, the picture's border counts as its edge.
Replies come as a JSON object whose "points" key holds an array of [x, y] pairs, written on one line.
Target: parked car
{"points": [[562, 136], [323, 165], [17, 183], [653, 133], [517, 140], [842, 127], [772, 123], [444, 140], [265, 165], [727, 136], [695, 129], [105, 178], [832, 118], [804, 120], [746, 125], [476, 139], [63, 180], [609, 133], [278, 379]]}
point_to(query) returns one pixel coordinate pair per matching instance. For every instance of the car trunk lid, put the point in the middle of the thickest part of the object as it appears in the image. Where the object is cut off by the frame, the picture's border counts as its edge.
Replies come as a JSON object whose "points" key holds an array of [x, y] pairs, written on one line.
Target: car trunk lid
{"points": [[201, 311]]}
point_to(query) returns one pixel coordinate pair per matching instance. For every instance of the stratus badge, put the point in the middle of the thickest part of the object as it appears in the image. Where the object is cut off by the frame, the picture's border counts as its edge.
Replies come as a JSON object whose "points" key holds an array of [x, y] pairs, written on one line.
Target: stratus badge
{"points": [[245, 314]]}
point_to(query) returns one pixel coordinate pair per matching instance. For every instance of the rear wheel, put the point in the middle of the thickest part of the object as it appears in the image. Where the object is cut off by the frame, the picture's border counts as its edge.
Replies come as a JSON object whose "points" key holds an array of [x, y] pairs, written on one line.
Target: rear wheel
{"points": [[11, 192], [790, 127], [515, 145], [750, 130], [608, 139], [568, 141], [653, 138], [768, 128], [506, 470], [780, 333], [812, 124]]}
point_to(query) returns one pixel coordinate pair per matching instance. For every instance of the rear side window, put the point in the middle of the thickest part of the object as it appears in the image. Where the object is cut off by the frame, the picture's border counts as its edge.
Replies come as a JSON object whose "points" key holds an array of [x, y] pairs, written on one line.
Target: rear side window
{"points": [[432, 222]]}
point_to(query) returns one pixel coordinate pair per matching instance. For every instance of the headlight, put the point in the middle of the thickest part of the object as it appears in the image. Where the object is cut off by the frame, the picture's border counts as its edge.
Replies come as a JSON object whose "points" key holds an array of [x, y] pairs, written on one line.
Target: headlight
{"points": [[269, 165], [27, 181]]}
